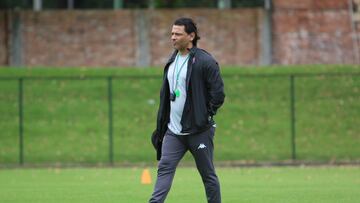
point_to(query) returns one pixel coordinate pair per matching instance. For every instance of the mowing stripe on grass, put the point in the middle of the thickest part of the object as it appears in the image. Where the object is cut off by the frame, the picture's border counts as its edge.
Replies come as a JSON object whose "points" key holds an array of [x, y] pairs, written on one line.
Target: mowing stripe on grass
{"points": [[251, 185]]}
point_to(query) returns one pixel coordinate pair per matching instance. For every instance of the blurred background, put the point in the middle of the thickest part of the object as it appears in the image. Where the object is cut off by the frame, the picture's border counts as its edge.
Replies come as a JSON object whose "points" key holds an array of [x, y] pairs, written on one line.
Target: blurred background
{"points": [[80, 79], [136, 33]]}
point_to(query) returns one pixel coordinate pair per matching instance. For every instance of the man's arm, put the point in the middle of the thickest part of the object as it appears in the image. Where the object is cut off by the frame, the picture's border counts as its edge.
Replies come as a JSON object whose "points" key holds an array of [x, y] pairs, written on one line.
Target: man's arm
{"points": [[215, 87]]}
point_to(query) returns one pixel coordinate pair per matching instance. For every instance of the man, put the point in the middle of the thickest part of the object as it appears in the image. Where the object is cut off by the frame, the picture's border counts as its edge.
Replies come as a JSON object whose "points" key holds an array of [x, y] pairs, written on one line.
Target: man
{"points": [[191, 93]]}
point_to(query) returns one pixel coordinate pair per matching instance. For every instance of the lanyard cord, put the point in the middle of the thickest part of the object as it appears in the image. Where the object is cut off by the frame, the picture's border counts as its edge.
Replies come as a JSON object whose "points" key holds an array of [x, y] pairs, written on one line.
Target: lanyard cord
{"points": [[178, 73]]}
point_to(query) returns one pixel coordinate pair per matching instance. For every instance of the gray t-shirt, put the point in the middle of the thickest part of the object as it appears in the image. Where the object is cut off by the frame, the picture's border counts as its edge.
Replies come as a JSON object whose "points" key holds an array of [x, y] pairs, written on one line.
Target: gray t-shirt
{"points": [[177, 74]]}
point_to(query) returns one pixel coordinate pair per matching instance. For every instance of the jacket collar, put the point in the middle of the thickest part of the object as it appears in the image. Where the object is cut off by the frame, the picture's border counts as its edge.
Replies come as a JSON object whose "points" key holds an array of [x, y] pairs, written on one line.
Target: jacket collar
{"points": [[192, 52]]}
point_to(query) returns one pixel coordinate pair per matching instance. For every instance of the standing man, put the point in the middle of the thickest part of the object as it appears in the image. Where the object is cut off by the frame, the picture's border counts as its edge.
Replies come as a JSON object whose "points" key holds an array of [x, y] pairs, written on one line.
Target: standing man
{"points": [[191, 93]]}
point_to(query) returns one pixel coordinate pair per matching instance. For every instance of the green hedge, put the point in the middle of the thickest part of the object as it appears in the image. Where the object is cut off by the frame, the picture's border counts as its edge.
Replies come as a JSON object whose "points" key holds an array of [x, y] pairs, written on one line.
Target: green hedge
{"points": [[66, 119]]}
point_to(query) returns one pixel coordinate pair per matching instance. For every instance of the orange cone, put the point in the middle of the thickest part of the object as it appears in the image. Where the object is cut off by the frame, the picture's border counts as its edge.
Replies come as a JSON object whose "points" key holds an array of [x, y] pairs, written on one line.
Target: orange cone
{"points": [[145, 177]]}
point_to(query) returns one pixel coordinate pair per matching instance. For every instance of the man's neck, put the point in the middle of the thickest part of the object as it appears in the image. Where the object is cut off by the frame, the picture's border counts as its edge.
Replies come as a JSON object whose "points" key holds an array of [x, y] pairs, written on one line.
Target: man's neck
{"points": [[185, 51]]}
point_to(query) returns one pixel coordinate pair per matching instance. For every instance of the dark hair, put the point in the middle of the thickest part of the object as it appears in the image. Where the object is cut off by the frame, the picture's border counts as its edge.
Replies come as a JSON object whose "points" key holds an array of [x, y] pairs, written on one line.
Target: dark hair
{"points": [[190, 27]]}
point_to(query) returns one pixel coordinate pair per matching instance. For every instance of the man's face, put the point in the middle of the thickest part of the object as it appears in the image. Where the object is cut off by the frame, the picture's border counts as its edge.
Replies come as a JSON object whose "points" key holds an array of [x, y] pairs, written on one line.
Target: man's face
{"points": [[180, 39]]}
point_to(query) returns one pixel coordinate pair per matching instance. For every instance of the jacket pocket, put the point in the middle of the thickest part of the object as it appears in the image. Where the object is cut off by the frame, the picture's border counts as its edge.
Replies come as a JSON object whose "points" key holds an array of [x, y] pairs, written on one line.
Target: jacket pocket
{"points": [[201, 117]]}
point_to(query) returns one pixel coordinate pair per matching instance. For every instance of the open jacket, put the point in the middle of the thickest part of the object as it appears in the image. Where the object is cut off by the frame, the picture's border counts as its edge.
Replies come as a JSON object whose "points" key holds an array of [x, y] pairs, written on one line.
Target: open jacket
{"points": [[205, 94]]}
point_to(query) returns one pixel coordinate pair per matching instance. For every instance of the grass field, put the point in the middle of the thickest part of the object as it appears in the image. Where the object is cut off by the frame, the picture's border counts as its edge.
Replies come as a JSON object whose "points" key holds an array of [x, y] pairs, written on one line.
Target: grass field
{"points": [[250, 185], [66, 121]]}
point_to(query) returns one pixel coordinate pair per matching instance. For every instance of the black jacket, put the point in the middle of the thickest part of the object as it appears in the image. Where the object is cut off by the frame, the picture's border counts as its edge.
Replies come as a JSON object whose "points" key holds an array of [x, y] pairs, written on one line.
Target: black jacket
{"points": [[205, 94]]}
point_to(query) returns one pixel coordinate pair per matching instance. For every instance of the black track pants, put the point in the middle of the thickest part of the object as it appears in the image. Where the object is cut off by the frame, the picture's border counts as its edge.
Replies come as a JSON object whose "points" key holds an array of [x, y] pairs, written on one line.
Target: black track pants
{"points": [[173, 149]]}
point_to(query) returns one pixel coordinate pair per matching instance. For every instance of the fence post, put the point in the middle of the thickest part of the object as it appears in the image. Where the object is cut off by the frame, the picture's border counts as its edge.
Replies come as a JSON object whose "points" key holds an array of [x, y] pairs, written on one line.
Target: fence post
{"points": [[293, 117], [21, 137], [110, 114]]}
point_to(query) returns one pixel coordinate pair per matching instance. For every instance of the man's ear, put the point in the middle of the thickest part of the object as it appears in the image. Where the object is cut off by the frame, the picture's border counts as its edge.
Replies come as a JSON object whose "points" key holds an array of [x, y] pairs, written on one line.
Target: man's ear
{"points": [[192, 36]]}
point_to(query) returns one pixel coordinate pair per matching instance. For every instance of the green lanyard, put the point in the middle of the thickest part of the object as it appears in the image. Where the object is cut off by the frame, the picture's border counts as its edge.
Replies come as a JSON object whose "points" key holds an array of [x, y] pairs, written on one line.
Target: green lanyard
{"points": [[175, 90]]}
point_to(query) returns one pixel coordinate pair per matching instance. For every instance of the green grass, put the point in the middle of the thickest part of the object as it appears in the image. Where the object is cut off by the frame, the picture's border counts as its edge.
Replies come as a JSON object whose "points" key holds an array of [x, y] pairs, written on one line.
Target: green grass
{"points": [[251, 185], [66, 121]]}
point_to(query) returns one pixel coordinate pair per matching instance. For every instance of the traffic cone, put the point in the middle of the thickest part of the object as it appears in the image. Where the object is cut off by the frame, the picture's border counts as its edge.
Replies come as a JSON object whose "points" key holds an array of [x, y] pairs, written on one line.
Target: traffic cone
{"points": [[145, 177]]}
